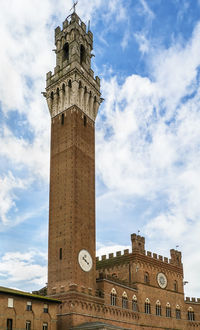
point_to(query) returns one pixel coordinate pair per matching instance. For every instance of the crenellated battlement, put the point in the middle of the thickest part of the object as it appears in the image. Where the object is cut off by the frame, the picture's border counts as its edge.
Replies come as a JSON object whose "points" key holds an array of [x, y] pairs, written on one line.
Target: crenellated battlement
{"points": [[113, 255], [69, 22], [127, 253], [138, 244], [192, 300]]}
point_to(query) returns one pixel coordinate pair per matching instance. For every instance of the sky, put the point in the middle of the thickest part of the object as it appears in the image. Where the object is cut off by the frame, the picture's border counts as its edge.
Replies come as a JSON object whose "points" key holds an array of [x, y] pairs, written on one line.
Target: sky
{"points": [[147, 54]]}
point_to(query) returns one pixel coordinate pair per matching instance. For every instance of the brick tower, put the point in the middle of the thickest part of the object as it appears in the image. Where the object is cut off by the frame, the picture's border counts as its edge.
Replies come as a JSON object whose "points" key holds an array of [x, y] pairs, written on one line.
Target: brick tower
{"points": [[73, 97]]}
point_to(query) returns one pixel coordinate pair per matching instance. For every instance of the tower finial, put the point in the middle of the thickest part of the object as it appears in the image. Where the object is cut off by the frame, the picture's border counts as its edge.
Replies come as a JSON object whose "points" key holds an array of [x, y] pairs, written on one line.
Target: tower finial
{"points": [[74, 6]]}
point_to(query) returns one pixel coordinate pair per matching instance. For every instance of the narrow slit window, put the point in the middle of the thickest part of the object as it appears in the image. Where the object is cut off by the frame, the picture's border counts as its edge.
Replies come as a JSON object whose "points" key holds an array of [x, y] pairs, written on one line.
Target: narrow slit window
{"points": [[66, 52], [85, 120], [62, 119], [60, 253], [70, 83], [82, 54], [63, 88]]}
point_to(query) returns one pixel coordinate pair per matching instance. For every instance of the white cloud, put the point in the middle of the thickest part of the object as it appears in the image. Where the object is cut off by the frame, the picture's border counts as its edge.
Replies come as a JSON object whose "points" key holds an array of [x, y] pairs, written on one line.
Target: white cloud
{"points": [[7, 196], [110, 248], [146, 10], [143, 42], [20, 267], [148, 143]]}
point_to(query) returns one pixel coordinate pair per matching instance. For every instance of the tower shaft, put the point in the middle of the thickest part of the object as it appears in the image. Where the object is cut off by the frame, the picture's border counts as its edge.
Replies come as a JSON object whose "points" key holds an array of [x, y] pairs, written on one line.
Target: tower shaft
{"points": [[73, 97]]}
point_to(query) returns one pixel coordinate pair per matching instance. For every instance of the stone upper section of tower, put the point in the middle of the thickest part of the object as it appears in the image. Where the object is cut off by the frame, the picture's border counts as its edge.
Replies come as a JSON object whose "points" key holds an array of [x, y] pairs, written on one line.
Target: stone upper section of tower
{"points": [[73, 82]]}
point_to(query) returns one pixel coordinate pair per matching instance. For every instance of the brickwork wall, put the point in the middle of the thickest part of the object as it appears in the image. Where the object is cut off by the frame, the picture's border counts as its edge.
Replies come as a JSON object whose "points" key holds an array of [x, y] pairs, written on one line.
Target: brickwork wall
{"points": [[20, 315], [72, 200]]}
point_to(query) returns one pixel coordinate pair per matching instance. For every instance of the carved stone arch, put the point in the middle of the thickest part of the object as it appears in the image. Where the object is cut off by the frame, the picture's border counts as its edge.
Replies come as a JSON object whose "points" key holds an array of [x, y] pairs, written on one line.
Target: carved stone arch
{"points": [[190, 309], [113, 291], [158, 303], [168, 304], [134, 298], [124, 295]]}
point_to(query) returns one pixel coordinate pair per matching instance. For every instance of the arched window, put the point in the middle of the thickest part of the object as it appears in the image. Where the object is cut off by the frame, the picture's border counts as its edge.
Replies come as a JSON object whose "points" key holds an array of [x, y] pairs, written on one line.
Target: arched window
{"points": [[57, 91], [134, 304], [70, 83], [158, 308], [147, 306], [113, 297], [66, 52], [63, 88], [82, 54], [168, 310], [124, 300], [175, 286], [178, 312], [146, 278], [190, 314], [52, 95]]}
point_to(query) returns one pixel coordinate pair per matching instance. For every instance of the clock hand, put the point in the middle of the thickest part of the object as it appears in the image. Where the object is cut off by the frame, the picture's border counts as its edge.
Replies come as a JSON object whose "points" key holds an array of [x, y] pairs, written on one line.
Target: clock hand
{"points": [[85, 261]]}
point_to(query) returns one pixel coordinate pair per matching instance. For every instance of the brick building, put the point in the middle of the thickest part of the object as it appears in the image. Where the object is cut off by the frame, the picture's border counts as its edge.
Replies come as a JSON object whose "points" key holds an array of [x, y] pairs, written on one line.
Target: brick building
{"points": [[130, 290], [22, 310]]}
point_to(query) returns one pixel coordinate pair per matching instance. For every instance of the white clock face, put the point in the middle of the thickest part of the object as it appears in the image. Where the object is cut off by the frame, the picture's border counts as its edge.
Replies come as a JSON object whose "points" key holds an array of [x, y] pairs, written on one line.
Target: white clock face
{"points": [[162, 280], [85, 260]]}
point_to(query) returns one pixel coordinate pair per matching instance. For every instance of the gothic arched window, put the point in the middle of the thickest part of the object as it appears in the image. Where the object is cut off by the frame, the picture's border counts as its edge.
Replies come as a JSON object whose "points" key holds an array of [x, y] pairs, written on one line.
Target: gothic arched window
{"points": [[168, 310], [70, 83], [178, 312], [134, 304], [82, 54], [66, 52], [124, 300], [63, 88], [190, 314], [113, 297], [147, 306], [158, 308]]}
